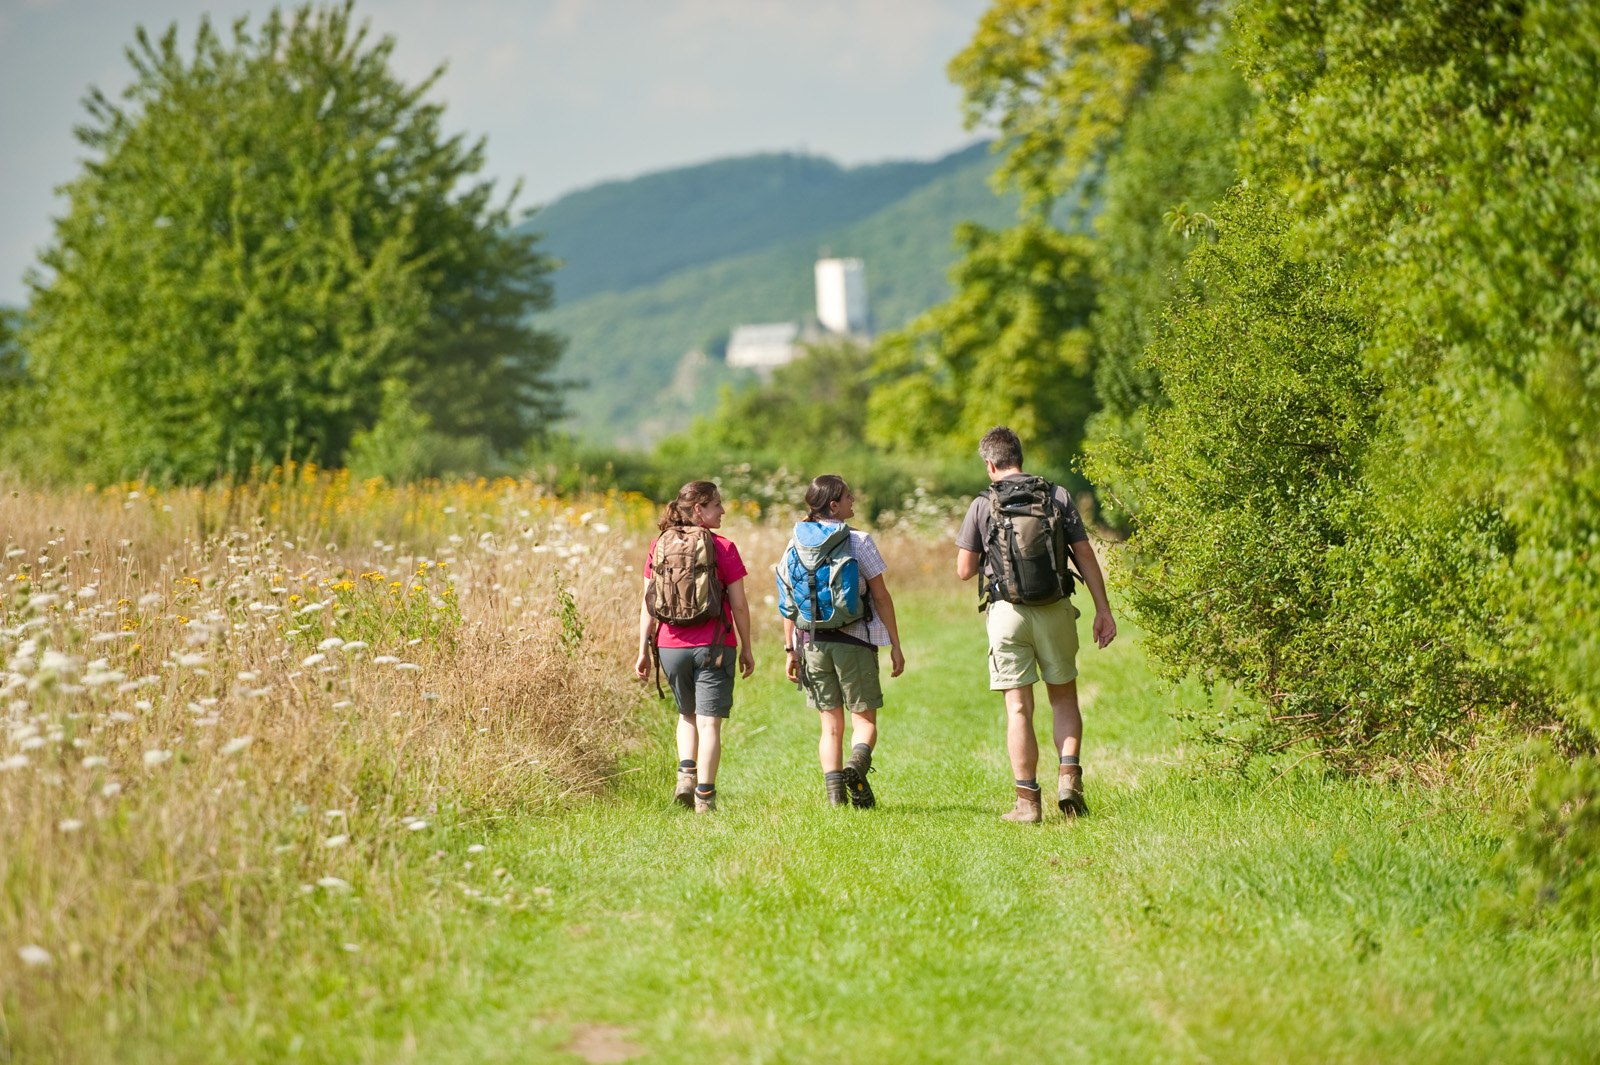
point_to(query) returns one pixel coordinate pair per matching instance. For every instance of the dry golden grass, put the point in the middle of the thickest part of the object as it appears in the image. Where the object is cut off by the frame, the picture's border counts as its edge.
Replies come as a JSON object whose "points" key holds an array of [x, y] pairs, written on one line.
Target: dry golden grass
{"points": [[216, 700]]}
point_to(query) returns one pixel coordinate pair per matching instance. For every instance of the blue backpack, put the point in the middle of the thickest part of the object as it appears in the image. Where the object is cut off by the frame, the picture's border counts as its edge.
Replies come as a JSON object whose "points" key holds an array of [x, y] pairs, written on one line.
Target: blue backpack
{"points": [[819, 580]]}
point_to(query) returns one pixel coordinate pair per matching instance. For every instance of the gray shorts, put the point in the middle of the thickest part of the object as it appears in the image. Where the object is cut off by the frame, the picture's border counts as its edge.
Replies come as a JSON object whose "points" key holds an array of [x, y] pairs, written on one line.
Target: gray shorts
{"points": [[698, 686]]}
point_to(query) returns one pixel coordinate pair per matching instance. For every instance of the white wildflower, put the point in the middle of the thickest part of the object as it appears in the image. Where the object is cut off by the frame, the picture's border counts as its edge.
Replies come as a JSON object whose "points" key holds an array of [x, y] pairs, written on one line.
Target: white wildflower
{"points": [[56, 662], [248, 676], [332, 643], [385, 660], [88, 591], [343, 704], [333, 883], [312, 660], [336, 841], [476, 848], [111, 790], [31, 743], [94, 761], [153, 758], [237, 744], [600, 527], [16, 761], [417, 825], [103, 677], [191, 659], [34, 956], [70, 824], [352, 948], [311, 608], [143, 704], [356, 645], [333, 815]]}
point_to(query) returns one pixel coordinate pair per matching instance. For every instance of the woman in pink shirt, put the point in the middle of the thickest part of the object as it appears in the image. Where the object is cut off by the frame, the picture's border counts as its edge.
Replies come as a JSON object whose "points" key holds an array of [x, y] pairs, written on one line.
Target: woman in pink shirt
{"points": [[691, 570]]}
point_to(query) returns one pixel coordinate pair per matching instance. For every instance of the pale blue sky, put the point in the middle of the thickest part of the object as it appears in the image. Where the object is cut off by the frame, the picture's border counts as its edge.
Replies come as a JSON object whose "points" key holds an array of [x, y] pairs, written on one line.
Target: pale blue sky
{"points": [[568, 92]]}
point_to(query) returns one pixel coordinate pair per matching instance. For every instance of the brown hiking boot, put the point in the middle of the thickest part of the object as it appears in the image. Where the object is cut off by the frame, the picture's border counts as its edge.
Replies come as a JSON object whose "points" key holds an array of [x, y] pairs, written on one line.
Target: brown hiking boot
{"points": [[705, 803], [683, 794], [1069, 792], [1029, 809]]}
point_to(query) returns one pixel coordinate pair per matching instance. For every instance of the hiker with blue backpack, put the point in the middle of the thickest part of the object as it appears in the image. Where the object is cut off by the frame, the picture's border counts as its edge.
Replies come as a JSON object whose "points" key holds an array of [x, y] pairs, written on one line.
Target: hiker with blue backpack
{"points": [[693, 619], [837, 613], [1023, 535]]}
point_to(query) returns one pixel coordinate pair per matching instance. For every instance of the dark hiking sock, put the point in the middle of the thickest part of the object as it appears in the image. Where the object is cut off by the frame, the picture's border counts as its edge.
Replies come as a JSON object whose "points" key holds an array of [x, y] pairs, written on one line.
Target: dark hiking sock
{"points": [[686, 765], [705, 789], [861, 756], [1069, 759], [833, 777], [1032, 783]]}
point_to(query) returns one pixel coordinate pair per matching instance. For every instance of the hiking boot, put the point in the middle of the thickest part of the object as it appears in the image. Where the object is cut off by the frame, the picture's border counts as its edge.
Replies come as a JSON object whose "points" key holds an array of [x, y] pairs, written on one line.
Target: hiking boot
{"points": [[855, 780], [705, 803], [834, 783], [683, 794], [1069, 792], [1029, 809]]}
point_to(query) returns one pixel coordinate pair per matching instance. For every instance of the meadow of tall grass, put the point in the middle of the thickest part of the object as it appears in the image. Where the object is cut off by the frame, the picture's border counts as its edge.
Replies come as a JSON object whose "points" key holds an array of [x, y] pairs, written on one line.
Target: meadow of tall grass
{"points": [[222, 704]]}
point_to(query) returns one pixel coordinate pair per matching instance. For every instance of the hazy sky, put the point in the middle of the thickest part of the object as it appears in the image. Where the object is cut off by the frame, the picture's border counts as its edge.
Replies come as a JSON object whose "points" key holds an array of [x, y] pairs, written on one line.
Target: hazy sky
{"points": [[568, 92]]}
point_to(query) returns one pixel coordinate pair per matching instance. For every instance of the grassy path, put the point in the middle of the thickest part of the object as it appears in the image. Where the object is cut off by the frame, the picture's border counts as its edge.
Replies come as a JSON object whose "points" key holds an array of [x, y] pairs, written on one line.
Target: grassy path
{"points": [[1191, 918]]}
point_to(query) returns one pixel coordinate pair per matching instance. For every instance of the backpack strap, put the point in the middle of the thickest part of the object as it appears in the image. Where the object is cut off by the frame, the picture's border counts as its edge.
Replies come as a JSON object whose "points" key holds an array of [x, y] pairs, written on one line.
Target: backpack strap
{"points": [[655, 653]]}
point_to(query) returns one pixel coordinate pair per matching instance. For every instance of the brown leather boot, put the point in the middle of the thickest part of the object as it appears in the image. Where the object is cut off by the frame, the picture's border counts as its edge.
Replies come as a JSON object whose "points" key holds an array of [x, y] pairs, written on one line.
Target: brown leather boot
{"points": [[834, 783], [1029, 809], [1069, 792], [683, 794]]}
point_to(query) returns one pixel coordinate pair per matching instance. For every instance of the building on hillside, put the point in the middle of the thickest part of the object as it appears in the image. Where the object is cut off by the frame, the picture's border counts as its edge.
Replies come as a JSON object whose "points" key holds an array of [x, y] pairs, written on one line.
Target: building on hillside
{"points": [[842, 296], [841, 312], [763, 347]]}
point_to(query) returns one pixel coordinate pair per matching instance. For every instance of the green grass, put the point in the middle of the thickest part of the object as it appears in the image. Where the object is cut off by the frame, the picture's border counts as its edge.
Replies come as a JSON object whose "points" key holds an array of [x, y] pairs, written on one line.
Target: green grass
{"points": [[1194, 917]]}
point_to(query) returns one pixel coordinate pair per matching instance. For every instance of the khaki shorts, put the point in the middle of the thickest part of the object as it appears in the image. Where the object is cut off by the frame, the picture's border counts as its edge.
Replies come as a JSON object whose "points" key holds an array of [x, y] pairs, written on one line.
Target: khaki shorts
{"points": [[1030, 642], [841, 674]]}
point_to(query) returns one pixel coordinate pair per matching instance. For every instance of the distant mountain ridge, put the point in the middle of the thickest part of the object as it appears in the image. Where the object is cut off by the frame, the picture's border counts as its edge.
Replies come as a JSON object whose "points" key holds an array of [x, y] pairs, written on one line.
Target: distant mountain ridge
{"points": [[622, 235], [658, 267]]}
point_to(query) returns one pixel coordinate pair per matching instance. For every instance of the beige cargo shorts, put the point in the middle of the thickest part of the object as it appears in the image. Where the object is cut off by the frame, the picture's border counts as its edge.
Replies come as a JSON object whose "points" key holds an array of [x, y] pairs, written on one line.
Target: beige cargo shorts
{"points": [[1030, 643], [841, 674]]}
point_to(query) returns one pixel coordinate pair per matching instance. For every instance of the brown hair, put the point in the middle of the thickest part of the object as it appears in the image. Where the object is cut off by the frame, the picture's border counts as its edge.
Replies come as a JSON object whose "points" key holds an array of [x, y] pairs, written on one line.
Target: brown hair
{"points": [[1001, 447], [681, 510], [824, 492]]}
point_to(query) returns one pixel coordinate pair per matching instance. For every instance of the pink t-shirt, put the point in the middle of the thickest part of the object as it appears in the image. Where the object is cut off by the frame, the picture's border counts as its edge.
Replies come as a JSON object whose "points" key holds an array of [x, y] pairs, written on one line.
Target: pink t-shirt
{"points": [[730, 568]]}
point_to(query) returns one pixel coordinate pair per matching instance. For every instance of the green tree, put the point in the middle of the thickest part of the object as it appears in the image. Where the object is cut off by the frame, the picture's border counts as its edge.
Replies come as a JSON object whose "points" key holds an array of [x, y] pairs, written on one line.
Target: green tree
{"points": [[1176, 157], [270, 230], [1010, 347], [1059, 79]]}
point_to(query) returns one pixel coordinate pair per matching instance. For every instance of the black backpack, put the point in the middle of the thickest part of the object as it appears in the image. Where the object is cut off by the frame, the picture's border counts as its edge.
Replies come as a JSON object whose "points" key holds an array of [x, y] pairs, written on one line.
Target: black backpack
{"points": [[1026, 557]]}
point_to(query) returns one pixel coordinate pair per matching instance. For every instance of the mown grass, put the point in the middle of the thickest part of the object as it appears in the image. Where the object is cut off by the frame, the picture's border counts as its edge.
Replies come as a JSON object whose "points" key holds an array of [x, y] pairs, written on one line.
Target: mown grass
{"points": [[1197, 915]]}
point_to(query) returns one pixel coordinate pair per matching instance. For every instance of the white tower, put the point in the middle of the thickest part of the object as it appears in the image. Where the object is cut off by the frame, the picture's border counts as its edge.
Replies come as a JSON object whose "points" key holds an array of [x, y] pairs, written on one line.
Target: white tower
{"points": [[842, 296]]}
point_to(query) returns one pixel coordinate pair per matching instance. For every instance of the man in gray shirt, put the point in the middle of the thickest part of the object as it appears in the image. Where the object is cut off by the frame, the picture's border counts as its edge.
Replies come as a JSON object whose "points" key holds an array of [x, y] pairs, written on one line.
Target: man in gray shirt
{"points": [[1034, 642]]}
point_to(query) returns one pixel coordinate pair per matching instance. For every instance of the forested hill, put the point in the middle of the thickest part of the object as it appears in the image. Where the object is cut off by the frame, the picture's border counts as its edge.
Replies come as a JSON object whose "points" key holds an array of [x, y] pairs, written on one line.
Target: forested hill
{"points": [[625, 234], [665, 264]]}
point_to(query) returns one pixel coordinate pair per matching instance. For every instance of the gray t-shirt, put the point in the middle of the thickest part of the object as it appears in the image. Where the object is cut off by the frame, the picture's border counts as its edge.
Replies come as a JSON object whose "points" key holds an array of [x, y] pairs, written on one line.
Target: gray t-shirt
{"points": [[975, 526]]}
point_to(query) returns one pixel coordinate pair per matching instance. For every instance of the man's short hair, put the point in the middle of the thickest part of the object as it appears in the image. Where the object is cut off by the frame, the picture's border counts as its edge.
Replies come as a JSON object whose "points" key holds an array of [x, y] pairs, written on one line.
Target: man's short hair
{"points": [[1001, 448]]}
